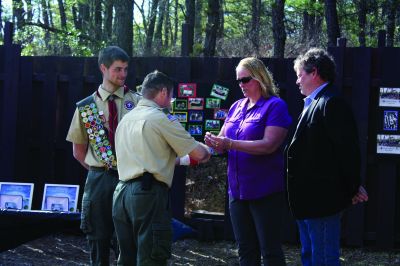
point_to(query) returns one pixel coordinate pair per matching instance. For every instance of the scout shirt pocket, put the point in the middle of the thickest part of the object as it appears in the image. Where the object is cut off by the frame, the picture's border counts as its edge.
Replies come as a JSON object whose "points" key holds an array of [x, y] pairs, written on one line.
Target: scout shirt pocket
{"points": [[162, 241]]}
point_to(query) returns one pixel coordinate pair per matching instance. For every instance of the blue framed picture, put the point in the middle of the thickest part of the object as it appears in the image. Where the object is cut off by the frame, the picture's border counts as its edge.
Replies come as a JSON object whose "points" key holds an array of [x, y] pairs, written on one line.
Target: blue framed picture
{"points": [[390, 120], [60, 197], [16, 195]]}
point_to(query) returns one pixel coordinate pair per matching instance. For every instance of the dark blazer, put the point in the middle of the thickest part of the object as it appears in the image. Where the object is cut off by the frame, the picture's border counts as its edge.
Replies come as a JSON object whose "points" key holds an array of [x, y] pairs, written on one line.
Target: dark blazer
{"points": [[323, 158]]}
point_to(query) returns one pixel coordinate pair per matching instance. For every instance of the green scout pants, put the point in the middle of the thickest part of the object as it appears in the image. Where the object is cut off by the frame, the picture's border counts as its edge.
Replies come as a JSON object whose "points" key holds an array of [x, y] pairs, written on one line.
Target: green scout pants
{"points": [[142, 220], [96, 216]]}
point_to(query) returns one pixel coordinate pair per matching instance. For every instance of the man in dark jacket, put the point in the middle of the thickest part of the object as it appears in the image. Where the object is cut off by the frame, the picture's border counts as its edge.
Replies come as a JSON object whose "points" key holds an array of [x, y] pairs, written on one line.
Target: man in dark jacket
{"points": [[323, 161]]}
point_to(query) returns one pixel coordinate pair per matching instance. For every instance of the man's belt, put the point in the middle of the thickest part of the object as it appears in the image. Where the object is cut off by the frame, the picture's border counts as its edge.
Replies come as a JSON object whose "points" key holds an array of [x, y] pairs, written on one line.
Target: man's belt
{"points": [[93, 121]]}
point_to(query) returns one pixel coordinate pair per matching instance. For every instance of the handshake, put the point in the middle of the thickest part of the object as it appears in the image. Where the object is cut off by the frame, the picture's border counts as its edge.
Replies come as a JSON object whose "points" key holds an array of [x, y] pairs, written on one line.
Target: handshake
{"points": [[215, 145]]}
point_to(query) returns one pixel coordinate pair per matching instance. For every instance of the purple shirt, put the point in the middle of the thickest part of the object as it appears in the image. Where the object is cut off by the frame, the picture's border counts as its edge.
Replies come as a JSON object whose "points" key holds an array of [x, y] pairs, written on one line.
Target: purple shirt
{"points": [[255, 176]]}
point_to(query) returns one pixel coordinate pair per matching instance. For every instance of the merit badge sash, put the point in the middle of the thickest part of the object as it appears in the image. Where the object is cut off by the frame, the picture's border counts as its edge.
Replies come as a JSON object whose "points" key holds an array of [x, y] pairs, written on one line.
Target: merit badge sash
{"points": [[93, 120]]}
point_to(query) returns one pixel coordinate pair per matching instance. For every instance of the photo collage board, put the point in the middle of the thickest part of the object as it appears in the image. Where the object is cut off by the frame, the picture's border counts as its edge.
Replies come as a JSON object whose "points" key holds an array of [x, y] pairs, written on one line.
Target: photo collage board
{"points": [[201, 109], [388, 133]]}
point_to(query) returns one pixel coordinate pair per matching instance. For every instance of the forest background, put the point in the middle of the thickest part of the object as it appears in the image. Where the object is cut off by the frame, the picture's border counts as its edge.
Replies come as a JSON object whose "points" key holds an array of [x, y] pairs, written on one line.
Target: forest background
{"points": [[224, 28]]}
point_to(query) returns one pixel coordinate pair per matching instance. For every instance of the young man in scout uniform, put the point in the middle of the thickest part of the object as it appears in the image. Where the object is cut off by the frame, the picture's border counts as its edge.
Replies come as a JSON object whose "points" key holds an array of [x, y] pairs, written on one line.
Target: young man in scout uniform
{"points": [[148, 142], [92, 135]]}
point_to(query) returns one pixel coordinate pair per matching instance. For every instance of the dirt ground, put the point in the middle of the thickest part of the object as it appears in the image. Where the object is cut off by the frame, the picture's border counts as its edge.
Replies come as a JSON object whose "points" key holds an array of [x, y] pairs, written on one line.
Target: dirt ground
{"points": [[206, 188], [61, 249]]}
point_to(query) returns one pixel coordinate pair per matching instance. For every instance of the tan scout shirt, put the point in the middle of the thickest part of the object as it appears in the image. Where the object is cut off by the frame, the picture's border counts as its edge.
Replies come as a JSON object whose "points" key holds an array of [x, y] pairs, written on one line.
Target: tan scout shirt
{"points": [[148, 140], [77, 132]]}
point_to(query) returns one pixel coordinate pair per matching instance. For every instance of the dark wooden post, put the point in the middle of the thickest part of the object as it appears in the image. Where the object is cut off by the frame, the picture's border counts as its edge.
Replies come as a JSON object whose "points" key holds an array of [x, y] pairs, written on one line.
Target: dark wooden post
{"points": [[381, 38], [9, 105], [187, 39]]}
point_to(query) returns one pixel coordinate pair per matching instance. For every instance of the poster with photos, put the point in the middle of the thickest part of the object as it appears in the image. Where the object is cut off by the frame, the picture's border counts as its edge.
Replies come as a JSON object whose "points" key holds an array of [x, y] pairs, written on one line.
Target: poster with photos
{"points": [[196, 116], [180, 104], [219, 92], [16, 195], [196, 103], [181, 116], [183, 125], [388, 144], [390, 120], [54, 197], [212, 103], [213, 124], [195, 129], [389, 97], [220, 114], [187, 90]]}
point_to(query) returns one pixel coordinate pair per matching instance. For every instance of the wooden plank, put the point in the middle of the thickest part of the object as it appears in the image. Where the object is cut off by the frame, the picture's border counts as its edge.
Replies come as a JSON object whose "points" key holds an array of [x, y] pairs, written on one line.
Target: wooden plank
{"points": [[385, 230], [9, 111], [359, 100]]}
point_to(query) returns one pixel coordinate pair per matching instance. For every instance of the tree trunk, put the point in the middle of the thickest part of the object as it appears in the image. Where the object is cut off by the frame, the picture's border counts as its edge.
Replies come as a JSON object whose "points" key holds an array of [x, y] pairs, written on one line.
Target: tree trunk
{"points": [[124, 25], [98, 19], [29, 10], [45, 16], [391, 21], [150, 29], [332, 23], [188, 35], [167, 24], [220, 33], [278, 28], [158, 43], [18, 13], [361, 6], [77, 18], [176, 20], [108, 18], [212, 28], [1, 19], [255, 25], [198, 33], [63, 17]]}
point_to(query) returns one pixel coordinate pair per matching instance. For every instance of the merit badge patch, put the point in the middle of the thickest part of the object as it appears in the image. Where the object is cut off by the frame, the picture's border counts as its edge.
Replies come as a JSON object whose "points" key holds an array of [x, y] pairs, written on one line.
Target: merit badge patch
{"points": [[171, 117], [128, 105]]}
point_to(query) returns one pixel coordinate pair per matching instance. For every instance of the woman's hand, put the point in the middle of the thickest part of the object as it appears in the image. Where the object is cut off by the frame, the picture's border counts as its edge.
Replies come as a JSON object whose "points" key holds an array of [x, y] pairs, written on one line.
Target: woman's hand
{"points": [[219, 144]]}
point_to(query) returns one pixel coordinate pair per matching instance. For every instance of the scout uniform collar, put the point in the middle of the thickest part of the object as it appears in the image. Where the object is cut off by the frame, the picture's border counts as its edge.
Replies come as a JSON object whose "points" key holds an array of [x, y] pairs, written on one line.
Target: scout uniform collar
{"points": [[149, 103], [103, 94]]}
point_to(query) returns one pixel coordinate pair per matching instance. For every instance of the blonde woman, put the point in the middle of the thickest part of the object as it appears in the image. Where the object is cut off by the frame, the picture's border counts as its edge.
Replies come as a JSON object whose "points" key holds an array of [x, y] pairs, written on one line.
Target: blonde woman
{"points": [[253, 133]]}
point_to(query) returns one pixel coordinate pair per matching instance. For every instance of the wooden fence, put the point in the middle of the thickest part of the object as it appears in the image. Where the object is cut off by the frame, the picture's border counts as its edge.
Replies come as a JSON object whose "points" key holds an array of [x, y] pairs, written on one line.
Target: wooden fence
{"points": [[38, 95]]}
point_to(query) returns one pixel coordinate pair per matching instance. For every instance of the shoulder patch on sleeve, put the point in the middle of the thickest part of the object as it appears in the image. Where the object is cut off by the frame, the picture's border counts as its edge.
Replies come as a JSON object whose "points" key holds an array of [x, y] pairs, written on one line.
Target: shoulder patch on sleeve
{"points": [[171, 117]]}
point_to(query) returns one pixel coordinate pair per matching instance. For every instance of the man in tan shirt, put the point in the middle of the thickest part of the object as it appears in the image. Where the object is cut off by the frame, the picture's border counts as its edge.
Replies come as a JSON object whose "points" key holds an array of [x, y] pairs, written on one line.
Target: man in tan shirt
{"points": [[148, 142], [91, 133]]}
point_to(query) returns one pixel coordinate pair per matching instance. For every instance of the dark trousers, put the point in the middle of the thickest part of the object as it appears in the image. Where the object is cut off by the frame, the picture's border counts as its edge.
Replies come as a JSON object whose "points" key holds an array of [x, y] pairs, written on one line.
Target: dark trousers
{"points": [[142, 220], [257, 225], [96, 215]]}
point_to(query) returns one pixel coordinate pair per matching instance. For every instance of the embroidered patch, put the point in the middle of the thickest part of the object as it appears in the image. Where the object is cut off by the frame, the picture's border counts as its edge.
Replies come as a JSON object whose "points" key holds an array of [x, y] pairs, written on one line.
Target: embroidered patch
{"points": [[171, 117], [128, 105]]}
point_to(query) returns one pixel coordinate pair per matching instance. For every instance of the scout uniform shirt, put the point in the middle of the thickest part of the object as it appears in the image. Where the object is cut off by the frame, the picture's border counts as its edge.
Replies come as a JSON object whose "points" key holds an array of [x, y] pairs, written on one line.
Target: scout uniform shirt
{"points": [[148, 140], [78, 133]]}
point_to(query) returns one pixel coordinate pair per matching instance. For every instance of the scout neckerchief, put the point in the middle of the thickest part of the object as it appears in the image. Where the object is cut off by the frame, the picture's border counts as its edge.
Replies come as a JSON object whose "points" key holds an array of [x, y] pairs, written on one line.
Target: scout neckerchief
{"points": [[93, 120]]}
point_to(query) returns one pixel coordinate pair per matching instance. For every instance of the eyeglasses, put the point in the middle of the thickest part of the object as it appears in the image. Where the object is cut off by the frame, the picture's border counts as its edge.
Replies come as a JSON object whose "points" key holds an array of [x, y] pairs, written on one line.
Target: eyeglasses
{"points": [[244, 80]]}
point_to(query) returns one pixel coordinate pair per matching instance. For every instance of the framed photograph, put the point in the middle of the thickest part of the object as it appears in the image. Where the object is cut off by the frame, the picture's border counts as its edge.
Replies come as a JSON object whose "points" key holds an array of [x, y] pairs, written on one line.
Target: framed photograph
{"points": [[214, 132], [187, 90], [60, 204], [388, 144], [389, 97], [196, 103], [213, 103], [181, 116], [180, 104], [12, 192], [220, 114], [54, 197], [219, 92], [213, 124], [11, 202], [184, 125], [390, 120], [195, 129], [196, 116]]}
